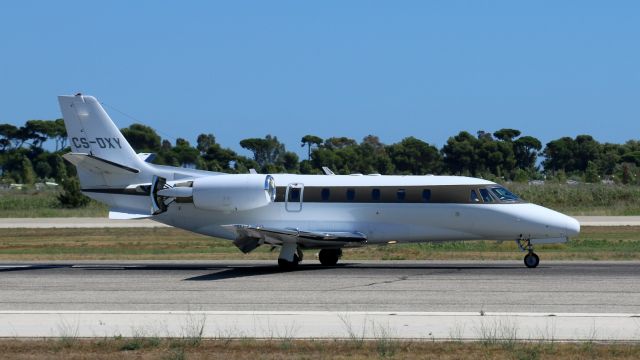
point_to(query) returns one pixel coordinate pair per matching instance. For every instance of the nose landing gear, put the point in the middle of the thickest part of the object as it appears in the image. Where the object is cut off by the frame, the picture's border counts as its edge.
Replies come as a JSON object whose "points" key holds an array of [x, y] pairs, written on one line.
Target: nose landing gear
{"points": [[531, 260]]}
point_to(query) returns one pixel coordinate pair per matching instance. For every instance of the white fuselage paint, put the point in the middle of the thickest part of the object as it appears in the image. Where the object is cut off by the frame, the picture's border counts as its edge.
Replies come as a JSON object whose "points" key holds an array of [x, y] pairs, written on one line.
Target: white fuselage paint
{"points": [[380, 222]]}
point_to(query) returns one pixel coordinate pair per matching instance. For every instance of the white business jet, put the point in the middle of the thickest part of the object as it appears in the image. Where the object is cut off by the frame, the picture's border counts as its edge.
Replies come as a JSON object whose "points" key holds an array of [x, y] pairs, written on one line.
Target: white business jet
{"points": [[299, 212]]}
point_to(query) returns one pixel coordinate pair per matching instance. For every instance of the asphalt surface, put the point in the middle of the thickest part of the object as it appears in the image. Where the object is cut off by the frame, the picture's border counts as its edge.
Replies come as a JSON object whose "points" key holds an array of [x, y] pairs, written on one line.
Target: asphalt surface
{"points": [[428, 286]]}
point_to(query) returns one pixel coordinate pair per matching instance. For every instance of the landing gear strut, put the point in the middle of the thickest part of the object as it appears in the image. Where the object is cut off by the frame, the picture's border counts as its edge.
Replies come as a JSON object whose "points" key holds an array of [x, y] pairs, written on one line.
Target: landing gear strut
{"points": [[531, 260], [329, 257], [290, 256]]}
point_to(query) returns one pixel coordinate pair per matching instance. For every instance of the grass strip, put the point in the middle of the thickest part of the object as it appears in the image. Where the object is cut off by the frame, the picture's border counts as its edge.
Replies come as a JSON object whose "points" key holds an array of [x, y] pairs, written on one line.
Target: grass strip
{"points": [[156, 348]]}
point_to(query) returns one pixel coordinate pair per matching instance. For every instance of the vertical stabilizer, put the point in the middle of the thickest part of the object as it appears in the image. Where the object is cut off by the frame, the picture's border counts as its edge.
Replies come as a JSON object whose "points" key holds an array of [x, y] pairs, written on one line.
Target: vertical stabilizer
{"points": [[91, 131]]}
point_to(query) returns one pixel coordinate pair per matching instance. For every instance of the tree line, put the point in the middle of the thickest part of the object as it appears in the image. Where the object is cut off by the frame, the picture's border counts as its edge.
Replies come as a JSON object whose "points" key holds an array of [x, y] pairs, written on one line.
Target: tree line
{"points": [[503, 155]]}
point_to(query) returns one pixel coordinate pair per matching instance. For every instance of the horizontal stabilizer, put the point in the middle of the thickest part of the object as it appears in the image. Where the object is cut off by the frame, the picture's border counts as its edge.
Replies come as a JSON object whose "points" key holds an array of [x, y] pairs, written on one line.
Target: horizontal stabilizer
{"points": [[125, 214], [98, 165]]}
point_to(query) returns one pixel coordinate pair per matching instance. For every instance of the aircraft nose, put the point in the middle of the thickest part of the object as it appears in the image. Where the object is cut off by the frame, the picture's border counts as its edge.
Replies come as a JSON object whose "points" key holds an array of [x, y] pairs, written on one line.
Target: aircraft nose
{"points": [[572, 227]]}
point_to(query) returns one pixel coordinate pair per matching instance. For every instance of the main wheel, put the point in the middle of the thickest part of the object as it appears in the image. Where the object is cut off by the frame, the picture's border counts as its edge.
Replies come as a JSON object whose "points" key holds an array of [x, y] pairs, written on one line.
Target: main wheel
{"points": [[329, 257], [289, 265], [531, 260]]}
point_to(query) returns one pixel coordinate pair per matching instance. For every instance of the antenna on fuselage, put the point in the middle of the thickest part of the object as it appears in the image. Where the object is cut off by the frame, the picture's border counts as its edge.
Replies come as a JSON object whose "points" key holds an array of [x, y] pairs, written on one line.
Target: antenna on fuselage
{"points": [[327, 171], [252, 171]]}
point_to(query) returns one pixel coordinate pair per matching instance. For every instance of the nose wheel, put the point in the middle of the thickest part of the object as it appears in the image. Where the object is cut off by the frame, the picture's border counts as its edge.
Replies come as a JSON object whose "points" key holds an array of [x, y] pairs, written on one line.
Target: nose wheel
{"points": [[531, 260]]}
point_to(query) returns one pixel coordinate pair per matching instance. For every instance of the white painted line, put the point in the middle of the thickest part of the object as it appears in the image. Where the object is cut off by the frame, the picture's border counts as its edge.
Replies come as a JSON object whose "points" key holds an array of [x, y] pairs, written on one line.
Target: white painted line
{"points": [[13, 266], [323, 324]]}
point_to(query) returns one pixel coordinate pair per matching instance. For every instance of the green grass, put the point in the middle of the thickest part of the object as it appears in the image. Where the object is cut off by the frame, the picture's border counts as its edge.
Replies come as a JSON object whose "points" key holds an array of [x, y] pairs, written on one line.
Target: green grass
{"points": [[32, 203], [594, 243], [119, 348], [583, 199]]}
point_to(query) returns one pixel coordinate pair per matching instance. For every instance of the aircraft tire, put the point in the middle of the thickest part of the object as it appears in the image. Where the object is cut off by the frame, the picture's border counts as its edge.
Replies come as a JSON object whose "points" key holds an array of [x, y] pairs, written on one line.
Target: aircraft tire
{"points": [[531, 260], [329, 257]]}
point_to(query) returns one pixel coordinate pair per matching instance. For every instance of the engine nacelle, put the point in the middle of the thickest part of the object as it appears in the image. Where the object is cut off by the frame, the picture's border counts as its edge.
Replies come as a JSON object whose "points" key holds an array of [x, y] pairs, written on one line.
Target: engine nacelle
{"points": [[233, 192]]}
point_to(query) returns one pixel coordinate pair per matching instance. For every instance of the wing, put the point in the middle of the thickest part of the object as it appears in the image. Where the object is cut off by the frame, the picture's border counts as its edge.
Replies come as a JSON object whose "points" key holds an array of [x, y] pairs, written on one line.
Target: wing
{"points": [[248, 237]]}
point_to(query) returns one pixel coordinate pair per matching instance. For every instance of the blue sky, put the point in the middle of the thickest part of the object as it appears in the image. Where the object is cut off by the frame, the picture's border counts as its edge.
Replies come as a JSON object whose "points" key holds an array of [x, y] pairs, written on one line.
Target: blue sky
{"points": [[242, 69]]}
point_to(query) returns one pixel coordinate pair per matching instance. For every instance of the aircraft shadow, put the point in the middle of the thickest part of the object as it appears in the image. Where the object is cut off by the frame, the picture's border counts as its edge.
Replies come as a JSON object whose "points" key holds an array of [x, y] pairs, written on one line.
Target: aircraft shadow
{"points": [[234, 270], [239, 272]]}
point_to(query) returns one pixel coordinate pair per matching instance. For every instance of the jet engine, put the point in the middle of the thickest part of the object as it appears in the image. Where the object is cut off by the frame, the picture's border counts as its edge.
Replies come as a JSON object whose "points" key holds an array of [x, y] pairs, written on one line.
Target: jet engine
{"points": [[218, 193], [233, 192]]}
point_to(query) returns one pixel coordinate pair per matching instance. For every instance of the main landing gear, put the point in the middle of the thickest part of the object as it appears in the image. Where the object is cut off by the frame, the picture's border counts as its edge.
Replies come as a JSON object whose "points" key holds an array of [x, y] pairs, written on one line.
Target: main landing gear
{"points": [[290, 256], [329, 257], [531, 260]]}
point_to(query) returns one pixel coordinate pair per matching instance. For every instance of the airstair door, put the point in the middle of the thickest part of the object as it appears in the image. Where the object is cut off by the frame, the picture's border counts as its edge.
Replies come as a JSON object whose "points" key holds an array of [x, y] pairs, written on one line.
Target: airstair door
{"points": [[294, 195]]}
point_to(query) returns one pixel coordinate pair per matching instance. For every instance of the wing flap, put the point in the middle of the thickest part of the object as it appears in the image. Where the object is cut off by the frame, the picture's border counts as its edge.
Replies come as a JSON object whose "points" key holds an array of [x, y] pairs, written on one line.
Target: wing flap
{"points": [[248, 237]]}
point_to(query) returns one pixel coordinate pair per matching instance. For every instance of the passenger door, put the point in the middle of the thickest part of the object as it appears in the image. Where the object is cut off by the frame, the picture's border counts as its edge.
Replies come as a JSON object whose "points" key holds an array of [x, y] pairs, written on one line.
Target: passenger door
{"points": [[295, 192]]}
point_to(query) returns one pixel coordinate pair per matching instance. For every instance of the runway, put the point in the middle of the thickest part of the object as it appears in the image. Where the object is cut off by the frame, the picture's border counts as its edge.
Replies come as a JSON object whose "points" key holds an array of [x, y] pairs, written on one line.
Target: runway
{"points": [[579, 300], [610, 287]]}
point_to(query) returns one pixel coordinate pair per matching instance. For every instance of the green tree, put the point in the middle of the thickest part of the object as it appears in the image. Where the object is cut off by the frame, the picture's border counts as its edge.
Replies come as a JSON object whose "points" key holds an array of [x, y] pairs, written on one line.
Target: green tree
{"points": [[309, 141], [290, 161], [267, 151], [559, 155], [526, 150], [591, 173], [506, 134], [27, 176], [71, 196], [460, 155], [8, 135], [414, 156], [204, 142], [185, 154], [142, 138]]}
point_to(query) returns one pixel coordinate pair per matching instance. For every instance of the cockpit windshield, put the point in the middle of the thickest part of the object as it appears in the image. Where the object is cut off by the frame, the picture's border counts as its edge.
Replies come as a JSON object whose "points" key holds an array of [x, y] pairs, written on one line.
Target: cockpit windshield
{"points": [[504, 195]]}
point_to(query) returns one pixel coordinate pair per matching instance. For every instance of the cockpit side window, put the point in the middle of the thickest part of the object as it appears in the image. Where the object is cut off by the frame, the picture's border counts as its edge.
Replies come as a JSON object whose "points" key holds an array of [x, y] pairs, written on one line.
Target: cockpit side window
{"points": [[486, 196], [474, 196], [504, 195]]}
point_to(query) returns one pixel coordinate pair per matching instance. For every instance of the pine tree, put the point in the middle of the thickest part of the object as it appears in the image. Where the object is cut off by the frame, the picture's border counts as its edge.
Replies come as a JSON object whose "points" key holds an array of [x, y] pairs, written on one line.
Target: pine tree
{"points": [[71, 196]]}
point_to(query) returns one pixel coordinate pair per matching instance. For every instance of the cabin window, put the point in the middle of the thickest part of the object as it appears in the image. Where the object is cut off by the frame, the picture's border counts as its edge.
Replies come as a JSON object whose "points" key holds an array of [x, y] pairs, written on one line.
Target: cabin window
{"points": [[375, 194], [351, 194], [504, 194], [474, 196], [426, 195], [401, 195], [486, 196], [325, 193], [294, 194]]}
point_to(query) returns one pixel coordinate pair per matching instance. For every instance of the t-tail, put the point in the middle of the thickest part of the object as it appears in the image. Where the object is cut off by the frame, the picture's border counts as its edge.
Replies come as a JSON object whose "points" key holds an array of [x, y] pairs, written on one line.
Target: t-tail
{"points": [[109, 169], [102, 155]]}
